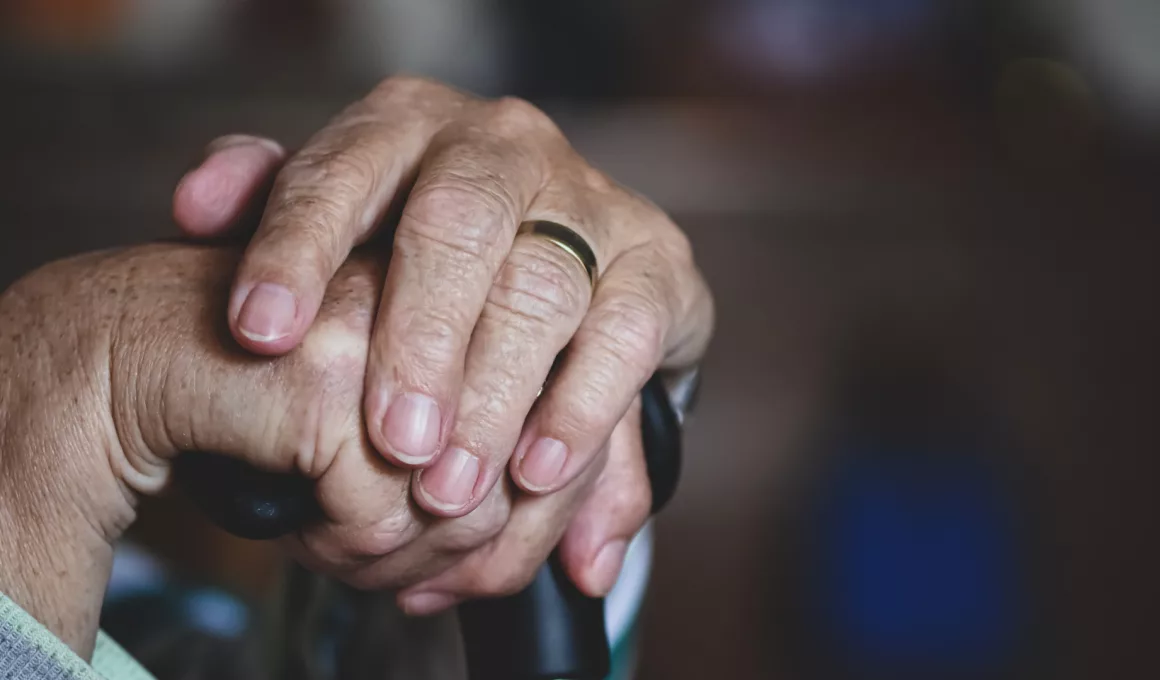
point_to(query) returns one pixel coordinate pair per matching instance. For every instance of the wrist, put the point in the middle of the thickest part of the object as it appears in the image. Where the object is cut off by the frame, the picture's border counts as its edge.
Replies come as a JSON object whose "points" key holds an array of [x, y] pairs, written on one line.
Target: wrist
{"points": [[54, 563], [61, 507], [56, 533]]}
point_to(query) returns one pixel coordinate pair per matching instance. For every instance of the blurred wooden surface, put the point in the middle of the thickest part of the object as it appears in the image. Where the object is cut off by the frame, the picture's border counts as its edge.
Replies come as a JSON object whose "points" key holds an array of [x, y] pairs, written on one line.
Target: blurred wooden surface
{"points": [[802, 221]]}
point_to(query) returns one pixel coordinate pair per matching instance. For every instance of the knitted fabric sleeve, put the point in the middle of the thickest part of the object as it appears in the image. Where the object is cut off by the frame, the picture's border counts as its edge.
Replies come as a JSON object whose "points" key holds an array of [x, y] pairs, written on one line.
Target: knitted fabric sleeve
{"points": [[29, 652]]}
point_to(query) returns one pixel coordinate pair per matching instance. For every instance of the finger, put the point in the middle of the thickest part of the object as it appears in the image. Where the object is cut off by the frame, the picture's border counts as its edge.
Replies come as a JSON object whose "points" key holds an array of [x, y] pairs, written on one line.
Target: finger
{"points": [[441, 544], [369, 513], [532, 310], [456, 229], [181, 388], [366, 501], [593, 547], [326, 199], [616, 349], [212, 198], [507, 563]]}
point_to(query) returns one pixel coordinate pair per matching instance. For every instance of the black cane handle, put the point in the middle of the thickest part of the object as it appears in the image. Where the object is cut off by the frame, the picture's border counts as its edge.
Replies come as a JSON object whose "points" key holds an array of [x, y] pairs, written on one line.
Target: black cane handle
{"points": [[548, 631]]}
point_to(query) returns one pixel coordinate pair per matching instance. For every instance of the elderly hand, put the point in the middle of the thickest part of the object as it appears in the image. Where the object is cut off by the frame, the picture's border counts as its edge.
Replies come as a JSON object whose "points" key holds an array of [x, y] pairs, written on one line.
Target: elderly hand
{"points": [[111, 364], [472, 315]]}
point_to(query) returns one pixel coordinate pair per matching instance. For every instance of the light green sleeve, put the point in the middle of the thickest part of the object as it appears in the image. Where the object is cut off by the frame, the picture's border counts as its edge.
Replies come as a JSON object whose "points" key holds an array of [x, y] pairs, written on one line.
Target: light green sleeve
{"points": [[29, 652]]}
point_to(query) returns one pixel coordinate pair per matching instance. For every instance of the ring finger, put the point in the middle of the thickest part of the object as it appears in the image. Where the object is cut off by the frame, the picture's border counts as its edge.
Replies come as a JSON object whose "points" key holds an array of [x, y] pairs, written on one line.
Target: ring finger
{"points": [[534, 307]]}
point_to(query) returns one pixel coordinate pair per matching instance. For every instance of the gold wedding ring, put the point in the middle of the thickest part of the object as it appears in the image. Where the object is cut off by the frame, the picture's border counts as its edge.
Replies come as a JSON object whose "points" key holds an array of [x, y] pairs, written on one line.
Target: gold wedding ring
{"points": [[567, 240]]}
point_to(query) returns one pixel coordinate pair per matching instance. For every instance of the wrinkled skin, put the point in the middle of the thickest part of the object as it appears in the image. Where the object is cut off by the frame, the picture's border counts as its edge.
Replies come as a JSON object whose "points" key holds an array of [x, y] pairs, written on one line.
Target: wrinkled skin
{"points": [[410, 392], [113, 363], [472, 315]]}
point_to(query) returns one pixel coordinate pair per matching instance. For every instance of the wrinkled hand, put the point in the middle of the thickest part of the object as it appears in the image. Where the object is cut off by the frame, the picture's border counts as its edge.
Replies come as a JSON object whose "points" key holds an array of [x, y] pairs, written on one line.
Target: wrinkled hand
{"points": [[471, 317], [112, 364]]}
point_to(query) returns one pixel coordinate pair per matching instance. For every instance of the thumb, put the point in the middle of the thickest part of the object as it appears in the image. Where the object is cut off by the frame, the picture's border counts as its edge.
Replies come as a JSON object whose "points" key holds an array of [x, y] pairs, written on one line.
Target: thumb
{"points": [[234, 177], [594, 546], [179, 382]]}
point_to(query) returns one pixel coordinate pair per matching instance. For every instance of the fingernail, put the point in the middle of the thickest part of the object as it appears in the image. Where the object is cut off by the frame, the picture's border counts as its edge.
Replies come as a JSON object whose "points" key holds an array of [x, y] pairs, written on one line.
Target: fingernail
{"points": [[543, 463], [449, 483], [268, 313], [606, 566], [244, 141], [425, 604], [411, 427]]}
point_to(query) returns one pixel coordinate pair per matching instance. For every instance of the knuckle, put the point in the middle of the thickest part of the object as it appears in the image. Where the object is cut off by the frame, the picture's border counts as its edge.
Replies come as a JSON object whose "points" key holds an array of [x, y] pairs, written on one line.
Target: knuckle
{"points": [[476, 529], [357, 542], [492, 524], [486, 398], [303, 207], [464, 215], [315, 224], [585, 412], [515, 115], [350, 169], [317, 249], [327, 392], [493, 514], [375, 542], [434, 338], [678, 247], [348, 172], [596, 181], [405, 85], [630, 328], [539, 286]]}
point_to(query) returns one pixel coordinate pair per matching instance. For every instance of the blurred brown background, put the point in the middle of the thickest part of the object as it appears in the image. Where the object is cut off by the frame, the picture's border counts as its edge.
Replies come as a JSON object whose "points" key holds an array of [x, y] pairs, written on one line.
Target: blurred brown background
{"points": [[979, 175]]}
